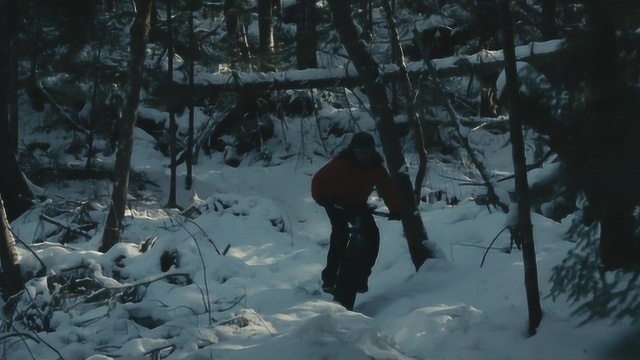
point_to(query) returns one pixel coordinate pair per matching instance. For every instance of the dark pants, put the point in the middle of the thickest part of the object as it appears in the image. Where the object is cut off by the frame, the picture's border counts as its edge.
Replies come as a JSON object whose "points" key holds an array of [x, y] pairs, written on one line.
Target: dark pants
{"points": [[340, 238]]}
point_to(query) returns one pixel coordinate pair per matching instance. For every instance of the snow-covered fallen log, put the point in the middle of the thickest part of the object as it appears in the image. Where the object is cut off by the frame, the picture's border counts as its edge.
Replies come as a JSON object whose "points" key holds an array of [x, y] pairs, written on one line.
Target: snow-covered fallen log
{"points": [[536, 53]]}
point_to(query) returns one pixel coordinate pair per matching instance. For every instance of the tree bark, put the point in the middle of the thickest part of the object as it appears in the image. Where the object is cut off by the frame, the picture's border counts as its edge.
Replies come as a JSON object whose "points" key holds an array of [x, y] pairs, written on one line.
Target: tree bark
{"points": [[598, 136], [524, 226], [549, 28], [412, 114], [9, 258], [13, 185], [265, 26], [14, 84], [139, 34], [8, 90], [189, 158], [369, 71], [173, 127], [609, 167], [306, 37]]}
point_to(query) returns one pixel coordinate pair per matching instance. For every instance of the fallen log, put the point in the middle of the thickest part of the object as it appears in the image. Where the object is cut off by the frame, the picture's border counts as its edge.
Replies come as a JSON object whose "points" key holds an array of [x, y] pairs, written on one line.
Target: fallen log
{"points": [[536, 53]]}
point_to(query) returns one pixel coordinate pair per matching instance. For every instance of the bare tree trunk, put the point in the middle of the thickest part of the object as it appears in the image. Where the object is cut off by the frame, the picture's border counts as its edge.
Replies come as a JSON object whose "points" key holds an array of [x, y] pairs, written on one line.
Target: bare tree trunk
{"points": [[139, 34], [14, 112], [13, 185], [524, 226], [369, 70], [306, 37], [173, 128], [411, 110], [9, 25], [9, 258], [549, 28], [367, 20], [491, 197], [236, 35], [188, 159], [265, 25], [94, 99]]}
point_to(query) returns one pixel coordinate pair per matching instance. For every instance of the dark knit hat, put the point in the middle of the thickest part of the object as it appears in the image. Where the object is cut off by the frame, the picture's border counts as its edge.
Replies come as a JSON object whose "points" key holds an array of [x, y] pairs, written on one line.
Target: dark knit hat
{"points": [[362, 141]]}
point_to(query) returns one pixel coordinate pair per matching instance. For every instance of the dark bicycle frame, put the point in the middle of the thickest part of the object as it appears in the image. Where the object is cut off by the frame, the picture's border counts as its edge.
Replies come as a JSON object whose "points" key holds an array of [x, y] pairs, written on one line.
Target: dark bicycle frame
{"points": [[352, 263]]}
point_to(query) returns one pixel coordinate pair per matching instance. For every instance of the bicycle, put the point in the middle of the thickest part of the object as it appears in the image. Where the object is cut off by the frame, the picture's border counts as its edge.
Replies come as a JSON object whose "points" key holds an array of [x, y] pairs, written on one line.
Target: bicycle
{"points": [[352, 265]]}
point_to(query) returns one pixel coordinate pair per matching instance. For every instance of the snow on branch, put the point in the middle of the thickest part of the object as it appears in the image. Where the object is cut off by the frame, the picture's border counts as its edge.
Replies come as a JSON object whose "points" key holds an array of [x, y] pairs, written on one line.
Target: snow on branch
{"points": [[536, 53]]}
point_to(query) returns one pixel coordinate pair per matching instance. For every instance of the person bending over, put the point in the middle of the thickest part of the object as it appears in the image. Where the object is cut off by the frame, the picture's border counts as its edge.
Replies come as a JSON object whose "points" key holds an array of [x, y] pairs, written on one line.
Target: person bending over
{"points": [[343, 187]]}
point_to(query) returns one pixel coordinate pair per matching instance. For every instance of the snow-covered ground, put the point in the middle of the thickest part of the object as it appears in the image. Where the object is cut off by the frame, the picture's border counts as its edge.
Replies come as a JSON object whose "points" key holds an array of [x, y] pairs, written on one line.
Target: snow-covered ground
{"points": [[262, 300]]}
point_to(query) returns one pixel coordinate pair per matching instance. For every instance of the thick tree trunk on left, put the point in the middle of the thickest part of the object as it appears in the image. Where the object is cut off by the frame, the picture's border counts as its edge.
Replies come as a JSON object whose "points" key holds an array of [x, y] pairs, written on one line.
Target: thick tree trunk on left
{"points": [[369, 70], [13, 185], [139, 34]]}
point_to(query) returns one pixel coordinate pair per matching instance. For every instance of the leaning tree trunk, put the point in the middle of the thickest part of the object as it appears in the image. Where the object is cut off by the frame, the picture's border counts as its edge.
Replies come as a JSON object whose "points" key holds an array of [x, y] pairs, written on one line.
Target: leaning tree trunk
{"points": [[524, 227], [412, 114], [9, 258], [139, 34], [369, 70]]}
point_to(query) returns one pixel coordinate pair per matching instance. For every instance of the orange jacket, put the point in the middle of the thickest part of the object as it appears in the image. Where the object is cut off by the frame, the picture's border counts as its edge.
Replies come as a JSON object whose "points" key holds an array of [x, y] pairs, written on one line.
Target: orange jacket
{"points": [[348, 184]]}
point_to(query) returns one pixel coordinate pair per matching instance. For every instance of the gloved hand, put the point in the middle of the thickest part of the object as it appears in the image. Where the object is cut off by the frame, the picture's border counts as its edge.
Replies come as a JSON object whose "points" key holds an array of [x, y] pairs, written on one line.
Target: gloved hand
{"points": [[394, 216]]}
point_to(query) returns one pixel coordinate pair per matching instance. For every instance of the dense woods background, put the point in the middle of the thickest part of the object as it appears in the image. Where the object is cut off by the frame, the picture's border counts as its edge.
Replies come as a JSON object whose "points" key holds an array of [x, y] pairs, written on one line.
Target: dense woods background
{"points": [[216, 78]]}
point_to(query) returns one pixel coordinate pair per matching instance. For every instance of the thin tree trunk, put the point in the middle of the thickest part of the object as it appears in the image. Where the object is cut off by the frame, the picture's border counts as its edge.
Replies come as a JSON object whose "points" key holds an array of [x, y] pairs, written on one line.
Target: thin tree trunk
{"points": [[549, 28], [265, 26], [139, 34], [524, 226], [369, 70], [411, 110], [367, 19], [188, 181], [9, 14], [94, 100], [306, 37], [492, 198], [14, 113], [173, 128], [9, 258]]}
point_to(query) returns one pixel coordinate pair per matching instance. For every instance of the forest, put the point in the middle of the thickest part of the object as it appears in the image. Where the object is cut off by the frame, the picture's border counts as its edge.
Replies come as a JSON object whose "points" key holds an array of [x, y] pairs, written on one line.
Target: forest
{"points": [[90, 88]]}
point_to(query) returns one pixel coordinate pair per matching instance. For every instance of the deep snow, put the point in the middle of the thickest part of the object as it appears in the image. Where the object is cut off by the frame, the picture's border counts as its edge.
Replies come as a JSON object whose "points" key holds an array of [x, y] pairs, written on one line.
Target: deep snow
{"points": [[264, 299]]}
